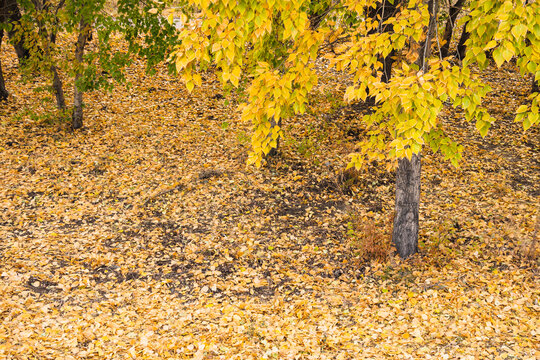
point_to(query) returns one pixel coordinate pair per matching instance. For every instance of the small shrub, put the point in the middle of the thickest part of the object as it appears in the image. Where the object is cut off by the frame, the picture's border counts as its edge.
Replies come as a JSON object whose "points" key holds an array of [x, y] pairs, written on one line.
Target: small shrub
{"points": [[372, 240], [529, 250], [345, 179]]}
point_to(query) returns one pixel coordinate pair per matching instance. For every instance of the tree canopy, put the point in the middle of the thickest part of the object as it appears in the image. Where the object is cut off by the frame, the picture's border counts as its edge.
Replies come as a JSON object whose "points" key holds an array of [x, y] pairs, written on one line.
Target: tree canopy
{"points": [[273, 48]]}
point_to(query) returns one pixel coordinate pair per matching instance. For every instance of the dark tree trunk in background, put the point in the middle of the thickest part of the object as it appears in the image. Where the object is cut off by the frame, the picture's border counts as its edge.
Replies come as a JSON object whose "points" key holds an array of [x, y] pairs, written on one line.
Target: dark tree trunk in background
{"points": [[50, 38], [382, 12], [9, 12], [273, 124], [462, 48], [387, 67], [406, 224], [77, 118], [405, 233], [450, 24], [3, 92], [535, 87], [58, 89]]}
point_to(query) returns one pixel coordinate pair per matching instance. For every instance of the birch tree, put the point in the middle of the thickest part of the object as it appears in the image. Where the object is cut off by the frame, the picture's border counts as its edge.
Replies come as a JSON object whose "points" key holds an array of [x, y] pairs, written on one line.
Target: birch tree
{"points": [[272, 47]]}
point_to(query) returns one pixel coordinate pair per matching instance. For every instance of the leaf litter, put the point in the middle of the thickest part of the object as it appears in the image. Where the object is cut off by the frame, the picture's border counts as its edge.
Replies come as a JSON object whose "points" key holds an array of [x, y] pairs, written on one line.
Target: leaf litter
{"points": [[145, 235]]}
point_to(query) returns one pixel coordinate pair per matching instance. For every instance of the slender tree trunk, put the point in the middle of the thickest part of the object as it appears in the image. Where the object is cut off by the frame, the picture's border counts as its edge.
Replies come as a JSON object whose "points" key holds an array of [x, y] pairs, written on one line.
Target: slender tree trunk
{"points": [[406, 220], [10, 12], [58, 89], [273, 124], [382, 12], [453, 13], [462, 48], [77, 118], [387, 67], [50, 38], [535, 87], [3, 92]]}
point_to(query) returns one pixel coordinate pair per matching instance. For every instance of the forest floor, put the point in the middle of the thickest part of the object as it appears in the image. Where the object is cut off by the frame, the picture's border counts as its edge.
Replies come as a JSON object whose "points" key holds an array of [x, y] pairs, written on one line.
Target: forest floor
{"points": [[145, 235]]}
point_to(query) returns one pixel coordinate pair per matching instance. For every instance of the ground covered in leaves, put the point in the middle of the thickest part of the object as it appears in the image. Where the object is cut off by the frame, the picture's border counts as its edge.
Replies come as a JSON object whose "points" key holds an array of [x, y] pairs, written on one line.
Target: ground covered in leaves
{"points": [[144, 235]]}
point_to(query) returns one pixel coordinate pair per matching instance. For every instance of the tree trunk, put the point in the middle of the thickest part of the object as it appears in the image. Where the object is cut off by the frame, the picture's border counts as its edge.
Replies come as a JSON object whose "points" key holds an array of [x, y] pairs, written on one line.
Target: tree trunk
{"points": [[462, 48], [58, 89], [77, 118], [405, 232], [50, 38], [387, 67], [3, 92], [453, 13], [382, 12], [535, 87], [273, 124], [9, 12], [425, 46]]}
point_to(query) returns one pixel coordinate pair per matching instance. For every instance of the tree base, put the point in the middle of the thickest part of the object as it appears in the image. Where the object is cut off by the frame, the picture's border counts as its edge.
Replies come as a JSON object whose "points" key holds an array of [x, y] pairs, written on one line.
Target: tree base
{"points": [[405, 233]]}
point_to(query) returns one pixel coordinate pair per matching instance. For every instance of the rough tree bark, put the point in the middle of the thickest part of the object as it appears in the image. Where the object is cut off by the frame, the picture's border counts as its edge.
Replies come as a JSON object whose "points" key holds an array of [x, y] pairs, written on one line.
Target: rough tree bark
{"points": [[406, 220], [10, 13], [77, 117], [405, 233], [453, 13], [50, 38]]}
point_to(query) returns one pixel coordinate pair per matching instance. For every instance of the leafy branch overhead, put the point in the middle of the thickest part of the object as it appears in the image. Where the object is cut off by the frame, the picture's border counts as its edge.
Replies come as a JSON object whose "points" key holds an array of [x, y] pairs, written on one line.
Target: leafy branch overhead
{"points": [[274, 46], [390, 50]]}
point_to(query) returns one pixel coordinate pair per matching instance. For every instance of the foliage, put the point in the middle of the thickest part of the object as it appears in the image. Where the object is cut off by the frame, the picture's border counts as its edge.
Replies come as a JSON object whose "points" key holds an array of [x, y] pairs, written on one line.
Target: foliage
{"points": [[511, 30], [275, 45], [269, 41], [148, 34], [47, 25]]}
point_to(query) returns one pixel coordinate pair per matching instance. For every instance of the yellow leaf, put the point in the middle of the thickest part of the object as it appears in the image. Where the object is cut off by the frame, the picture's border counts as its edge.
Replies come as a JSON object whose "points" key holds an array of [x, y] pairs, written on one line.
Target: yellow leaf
{"points": [[197, 80], [236, 72], [522, 109], [234, 81]]}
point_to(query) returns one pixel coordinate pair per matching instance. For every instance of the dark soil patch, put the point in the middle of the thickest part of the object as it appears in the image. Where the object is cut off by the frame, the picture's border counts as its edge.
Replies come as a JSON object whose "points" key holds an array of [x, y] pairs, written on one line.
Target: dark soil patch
{"points": [[41, 286]]}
